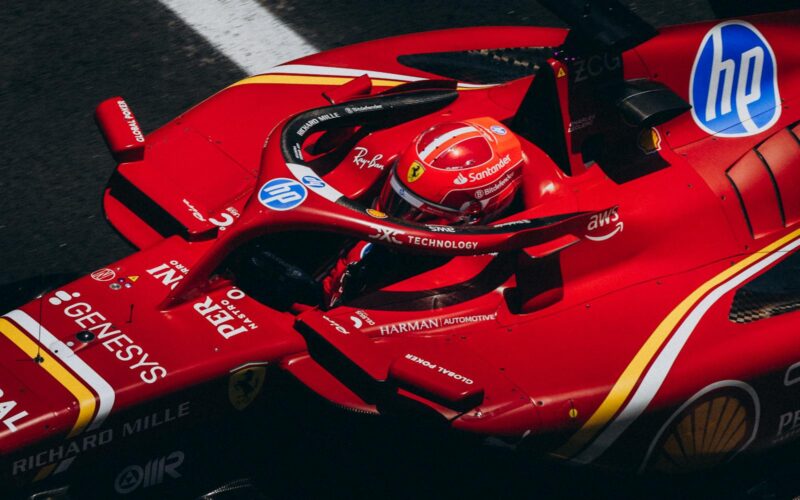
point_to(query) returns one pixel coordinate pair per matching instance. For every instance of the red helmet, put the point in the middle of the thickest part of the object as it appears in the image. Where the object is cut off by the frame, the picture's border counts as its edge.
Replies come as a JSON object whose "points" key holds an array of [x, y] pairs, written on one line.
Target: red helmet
{"points": [[455, 172]]}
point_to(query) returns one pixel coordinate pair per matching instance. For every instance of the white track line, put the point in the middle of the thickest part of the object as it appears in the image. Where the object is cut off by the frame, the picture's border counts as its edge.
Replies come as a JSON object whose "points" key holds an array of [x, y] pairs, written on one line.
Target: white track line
{"points": [[243, 30]]}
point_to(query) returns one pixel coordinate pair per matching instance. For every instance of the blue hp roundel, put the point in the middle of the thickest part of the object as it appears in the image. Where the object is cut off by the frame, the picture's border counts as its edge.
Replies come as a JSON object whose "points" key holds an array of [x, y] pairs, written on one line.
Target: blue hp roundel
{"points": [[282, 194], [734, 85]]}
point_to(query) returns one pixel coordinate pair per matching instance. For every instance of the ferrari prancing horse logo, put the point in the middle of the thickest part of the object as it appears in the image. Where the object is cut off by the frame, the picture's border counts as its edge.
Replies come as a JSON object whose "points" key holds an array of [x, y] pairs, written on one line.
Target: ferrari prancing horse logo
{"points": [[244, 386], [415, 171]]}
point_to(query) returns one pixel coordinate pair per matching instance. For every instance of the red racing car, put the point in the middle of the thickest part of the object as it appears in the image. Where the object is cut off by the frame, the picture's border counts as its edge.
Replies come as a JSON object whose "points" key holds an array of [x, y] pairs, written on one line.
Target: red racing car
{"points": [[580, 242]]}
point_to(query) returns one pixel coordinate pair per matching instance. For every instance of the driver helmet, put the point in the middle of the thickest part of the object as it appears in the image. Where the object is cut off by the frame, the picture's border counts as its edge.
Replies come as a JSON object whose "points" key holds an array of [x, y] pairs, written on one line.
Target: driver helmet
{"points": [[460, 172]]}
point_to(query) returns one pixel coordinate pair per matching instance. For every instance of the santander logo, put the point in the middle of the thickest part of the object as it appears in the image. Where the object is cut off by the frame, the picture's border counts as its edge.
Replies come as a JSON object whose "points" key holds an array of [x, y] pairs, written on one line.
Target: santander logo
{"points": [[460, 180]]}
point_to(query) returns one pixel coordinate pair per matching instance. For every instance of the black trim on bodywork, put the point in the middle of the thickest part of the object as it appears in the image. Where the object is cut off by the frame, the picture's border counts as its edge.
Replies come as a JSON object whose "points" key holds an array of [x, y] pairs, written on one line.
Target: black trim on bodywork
{"points": [[775, 292], [484, 66], [497, 272], [144, 207]]}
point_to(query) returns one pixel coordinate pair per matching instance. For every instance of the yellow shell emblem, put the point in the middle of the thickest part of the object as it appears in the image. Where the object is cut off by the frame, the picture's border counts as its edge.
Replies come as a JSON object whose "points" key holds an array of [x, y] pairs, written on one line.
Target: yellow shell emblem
{"points": [[708, 432], [245, 385], [415, 171]]}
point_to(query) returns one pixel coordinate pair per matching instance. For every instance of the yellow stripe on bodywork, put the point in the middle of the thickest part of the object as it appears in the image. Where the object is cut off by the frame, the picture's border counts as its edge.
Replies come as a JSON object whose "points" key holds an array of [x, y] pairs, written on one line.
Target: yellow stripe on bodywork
{"points": [[630, 376], [309, 80], [44, 472], [288, 79], [85, 398]]}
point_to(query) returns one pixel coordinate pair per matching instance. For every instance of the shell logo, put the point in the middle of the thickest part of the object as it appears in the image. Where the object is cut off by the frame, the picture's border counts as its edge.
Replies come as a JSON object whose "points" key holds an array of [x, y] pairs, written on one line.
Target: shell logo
{"points": [[711, 428]]}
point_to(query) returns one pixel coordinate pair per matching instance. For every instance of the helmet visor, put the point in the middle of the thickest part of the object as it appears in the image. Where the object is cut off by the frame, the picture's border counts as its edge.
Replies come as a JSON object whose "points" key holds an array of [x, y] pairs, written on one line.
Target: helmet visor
{"points": [[398, 201]]}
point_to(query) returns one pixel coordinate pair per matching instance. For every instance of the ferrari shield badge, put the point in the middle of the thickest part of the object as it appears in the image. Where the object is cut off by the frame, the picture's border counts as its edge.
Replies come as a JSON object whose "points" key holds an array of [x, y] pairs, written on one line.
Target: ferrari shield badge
{"points": [[415, 171], [245, 385]]}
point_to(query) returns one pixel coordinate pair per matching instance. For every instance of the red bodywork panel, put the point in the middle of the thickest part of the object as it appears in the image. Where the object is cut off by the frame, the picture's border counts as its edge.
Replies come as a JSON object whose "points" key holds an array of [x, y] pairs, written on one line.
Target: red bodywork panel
{"points": [[588, 324]]}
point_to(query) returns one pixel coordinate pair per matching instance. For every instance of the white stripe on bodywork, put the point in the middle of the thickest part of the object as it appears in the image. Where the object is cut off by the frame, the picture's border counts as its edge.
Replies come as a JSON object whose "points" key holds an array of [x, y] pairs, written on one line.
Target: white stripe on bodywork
{"points": [[327, 192], [444, 138], [660, 368], [59, 349]]}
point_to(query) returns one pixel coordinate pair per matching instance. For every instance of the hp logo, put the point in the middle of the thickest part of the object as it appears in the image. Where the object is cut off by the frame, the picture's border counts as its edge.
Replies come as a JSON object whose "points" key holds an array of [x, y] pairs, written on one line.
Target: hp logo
{"points": [[313, 181], [734, 85], [282, 194]]}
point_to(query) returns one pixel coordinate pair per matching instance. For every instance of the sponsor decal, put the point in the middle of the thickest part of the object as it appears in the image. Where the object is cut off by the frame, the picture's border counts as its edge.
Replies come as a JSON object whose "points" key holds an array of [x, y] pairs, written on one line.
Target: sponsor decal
{"points": [[434, 323], [226, 317], [359, 318], [127, 115], [710, 428], [104, 274], [122, 346], [152, 473], [439, 243], [339, 328], [245, 385], [222, 220], [310, 123], [489, 171], [169, 274], [360, 109], [734, 83], [460, 180], [365, 250], [282, 194], [440, 229], [313, 182], [497, 129], [415, 171], [649, 141], [439, 369], [594, 66], [788, 425], [581, 123], [561, 73], [8, 416], [387, 234], [607, 223], [792, 375], [361, 160], [376, 213], [67, 451], [490, 190]]}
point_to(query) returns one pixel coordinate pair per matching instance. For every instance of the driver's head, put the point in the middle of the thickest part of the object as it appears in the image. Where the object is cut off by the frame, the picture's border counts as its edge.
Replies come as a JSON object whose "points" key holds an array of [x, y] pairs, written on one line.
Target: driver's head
{"points": [[455, 172]]}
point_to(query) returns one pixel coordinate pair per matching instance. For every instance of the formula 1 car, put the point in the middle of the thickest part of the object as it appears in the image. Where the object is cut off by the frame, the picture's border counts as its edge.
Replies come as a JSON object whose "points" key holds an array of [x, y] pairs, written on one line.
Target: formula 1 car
{"points": [[637, 308]]}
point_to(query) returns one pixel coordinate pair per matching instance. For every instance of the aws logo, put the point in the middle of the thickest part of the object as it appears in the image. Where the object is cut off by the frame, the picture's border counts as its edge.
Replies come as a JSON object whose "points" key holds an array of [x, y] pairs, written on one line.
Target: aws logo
{"points": [[734, 84], [604, 225]]}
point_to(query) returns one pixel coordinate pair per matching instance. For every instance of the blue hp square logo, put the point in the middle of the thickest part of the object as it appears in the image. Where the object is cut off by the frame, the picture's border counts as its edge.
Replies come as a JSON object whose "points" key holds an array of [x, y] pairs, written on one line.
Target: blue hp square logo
{"points": [[734, 85]]}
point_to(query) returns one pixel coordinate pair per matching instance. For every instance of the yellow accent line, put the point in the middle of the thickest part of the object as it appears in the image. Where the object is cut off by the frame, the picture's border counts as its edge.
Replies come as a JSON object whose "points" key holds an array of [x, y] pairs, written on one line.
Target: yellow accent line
{"points": [[44, 472], [622, 388], [86, 400], [309, 80], [322, 80]]}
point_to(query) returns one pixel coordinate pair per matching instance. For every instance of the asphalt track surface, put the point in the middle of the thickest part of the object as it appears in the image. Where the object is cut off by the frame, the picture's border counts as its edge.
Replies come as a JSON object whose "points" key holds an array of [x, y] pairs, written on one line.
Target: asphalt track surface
{"points": [[60, 58]]}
